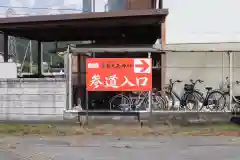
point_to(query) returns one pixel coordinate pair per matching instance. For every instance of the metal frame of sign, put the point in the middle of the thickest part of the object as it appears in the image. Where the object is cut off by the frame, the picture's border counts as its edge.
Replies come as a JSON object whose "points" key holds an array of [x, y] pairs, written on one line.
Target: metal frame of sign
{"points": [[91, 50]]}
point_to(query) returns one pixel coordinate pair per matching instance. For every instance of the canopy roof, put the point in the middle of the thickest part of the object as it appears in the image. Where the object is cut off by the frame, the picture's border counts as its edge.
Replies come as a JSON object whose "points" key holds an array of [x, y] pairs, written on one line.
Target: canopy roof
{"points": [[86, 26], [89, 48]]}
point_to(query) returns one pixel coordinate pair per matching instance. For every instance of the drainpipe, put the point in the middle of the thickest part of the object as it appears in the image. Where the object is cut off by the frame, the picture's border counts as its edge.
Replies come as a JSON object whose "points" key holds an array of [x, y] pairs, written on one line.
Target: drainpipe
{"points": [[230, 54]]}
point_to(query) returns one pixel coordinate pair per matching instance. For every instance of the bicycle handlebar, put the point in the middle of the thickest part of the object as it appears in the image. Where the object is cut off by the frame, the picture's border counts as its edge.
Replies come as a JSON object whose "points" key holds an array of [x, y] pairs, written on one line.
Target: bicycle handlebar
{"points": [[173, 82], [197, 81], [237, 82]]}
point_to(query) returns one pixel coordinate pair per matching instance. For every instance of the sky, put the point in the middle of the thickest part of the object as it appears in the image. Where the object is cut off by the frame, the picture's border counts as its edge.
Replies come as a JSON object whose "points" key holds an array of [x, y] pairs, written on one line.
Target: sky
{"points": [[189, 21], [202, 21], [53, 4]]}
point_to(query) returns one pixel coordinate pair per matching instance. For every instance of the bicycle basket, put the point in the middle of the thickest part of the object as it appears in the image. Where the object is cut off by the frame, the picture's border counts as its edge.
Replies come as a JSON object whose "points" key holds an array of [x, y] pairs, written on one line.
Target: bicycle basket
{"points": [[188, 87]]}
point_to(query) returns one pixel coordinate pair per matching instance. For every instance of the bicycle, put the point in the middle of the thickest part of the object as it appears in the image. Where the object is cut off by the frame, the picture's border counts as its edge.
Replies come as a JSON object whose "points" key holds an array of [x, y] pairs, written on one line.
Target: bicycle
{"points": [[236, 102], [235, 99], [136, 101], [120, 102], [140, 101], [186, 99], [209, 100]]}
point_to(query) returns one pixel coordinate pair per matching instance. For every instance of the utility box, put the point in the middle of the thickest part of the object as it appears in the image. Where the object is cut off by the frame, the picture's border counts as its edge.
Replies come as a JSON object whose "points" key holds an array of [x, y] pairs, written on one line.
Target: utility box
{"points": [[8, 70]]}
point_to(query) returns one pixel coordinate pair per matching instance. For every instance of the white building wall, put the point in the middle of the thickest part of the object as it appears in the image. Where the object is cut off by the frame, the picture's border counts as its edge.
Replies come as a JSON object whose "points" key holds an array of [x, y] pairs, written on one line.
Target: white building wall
{"points": [[199, 21], [212, 67]]}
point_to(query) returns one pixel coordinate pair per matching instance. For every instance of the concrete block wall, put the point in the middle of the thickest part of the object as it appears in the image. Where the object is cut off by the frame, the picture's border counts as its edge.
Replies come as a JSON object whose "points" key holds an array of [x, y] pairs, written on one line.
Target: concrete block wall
{"points": [[32, 99]]}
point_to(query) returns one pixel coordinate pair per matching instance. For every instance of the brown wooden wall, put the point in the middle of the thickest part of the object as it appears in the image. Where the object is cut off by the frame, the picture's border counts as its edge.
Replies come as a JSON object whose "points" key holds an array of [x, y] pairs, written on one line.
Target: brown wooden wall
{"points": [[75, 70], [159, 75], [142, 4], [131, 5], [139, 4]]}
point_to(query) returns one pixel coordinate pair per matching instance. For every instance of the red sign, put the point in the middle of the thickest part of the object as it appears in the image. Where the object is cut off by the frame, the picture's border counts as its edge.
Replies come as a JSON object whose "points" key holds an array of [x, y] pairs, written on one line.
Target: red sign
{"points": [[119, 74]]}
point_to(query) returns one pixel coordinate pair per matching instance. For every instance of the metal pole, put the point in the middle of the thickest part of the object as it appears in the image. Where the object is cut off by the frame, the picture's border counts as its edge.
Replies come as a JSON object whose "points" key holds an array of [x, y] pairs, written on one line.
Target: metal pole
{"points": [[70, 80], [41, 58], [150, 97], [51, 60], [86, 98], [230, 79], [24, 58], [223, 67], [66, 71], [30, 56], [86, 103]]}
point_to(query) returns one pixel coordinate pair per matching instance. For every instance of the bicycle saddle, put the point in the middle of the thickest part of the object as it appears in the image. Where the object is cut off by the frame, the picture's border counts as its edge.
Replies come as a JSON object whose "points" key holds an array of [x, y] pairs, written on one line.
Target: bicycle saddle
{"points": [[208, 88]]}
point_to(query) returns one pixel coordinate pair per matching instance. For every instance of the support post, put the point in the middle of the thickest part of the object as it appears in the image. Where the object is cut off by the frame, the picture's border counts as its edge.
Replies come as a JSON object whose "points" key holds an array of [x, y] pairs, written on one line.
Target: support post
{"points": [[39, 61], [150, 98], [86, 103], [66, 71], [30, 57], [230, 54], [5, 54], [70, 81], [87, 99], [163, 56]]}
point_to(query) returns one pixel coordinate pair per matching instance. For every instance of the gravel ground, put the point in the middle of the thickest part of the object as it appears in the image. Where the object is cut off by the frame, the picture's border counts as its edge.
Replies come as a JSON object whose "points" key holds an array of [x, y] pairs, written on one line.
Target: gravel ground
{"points": [[119, 148]]}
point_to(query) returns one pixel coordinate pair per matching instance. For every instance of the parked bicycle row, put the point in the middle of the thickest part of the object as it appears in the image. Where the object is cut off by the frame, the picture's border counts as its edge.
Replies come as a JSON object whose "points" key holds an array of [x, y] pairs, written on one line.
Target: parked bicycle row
{"points": [[168, 99]]}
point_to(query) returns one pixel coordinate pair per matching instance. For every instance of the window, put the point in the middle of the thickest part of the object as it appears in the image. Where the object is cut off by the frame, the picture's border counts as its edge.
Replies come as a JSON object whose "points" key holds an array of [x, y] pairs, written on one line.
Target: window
{"points": [[116, 5]]}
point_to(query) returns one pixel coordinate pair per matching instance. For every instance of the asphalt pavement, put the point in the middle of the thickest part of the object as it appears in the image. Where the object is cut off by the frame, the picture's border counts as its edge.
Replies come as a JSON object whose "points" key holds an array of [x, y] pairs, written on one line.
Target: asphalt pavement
{"points": [[119, 148]]}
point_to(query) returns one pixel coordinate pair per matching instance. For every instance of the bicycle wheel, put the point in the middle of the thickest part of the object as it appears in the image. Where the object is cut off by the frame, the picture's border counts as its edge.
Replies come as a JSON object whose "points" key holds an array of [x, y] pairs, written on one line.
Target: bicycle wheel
{"points": [[142, 105], [158, 103], [216, 101], [200, 100], [139, 103], [169, 100], [120, 102], [235, 108], [193, 100]]}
